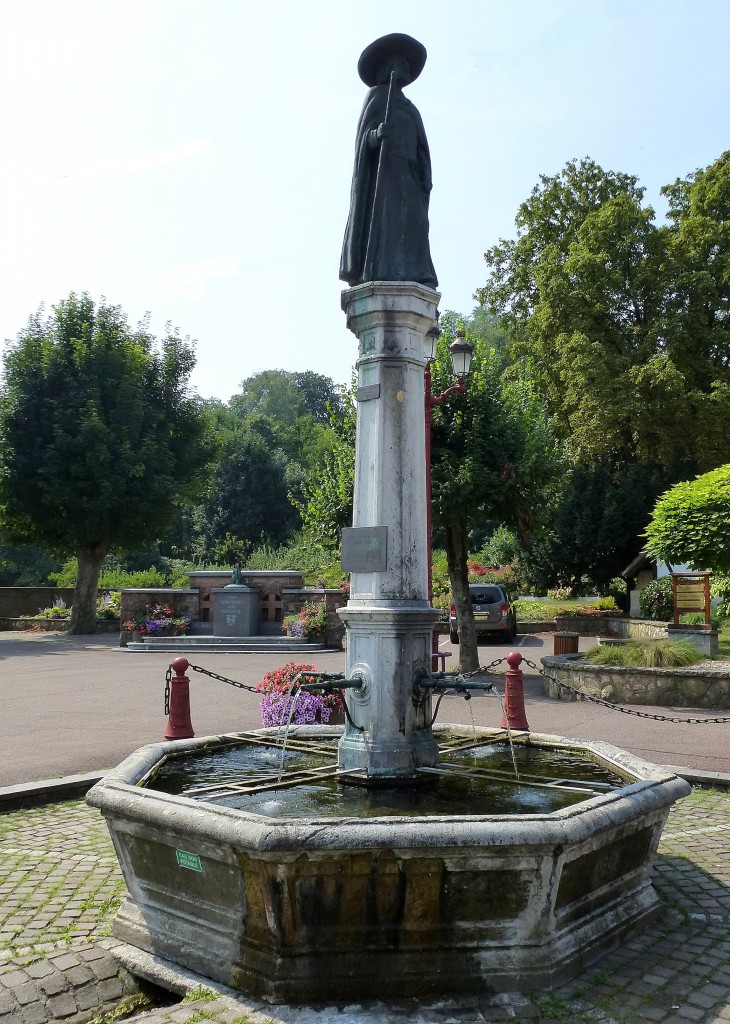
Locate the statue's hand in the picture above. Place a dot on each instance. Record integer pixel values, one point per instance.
(378, 136)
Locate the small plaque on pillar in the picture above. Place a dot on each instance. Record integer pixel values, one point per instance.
(368, 392)
(365, 549)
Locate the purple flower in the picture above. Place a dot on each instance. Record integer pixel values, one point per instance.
(302, 709)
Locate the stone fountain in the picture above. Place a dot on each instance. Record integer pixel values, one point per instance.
(368, 900)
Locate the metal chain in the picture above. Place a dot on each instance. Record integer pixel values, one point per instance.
(631, 711)
(481, 668)
(223, 679)
(493, 664)
(468, 675)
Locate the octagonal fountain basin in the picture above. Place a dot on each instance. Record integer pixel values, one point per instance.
(259, 868)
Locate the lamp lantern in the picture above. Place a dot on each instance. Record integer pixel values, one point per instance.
(461, 352)
(432, 338)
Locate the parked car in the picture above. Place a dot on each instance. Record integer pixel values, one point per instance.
(494, 612)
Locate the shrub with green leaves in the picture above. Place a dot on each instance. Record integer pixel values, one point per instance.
(642, 653)
(617, 588)
(440, 581)
(720, 594)
(111, 576)
(698, 619)
(58, 610)
(691, 522)
(317, 563)
(502, 548)
(657, 601)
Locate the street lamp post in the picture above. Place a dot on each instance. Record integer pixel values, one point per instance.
(461, 353)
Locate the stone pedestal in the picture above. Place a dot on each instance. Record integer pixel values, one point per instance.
(388, 617)
(235, 611)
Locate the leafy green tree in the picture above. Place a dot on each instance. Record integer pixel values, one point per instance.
(285, 396)
(697, 327)
(602, 305)
(592, 524)
(691, 522)
(326, 504)
(493, 453)
(100, 441)
(248, 501)
(25, 566)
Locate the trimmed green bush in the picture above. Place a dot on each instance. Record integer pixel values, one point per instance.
(618, 589)
(691, 522)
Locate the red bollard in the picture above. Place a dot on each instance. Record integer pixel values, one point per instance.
(514, 694)
(179, 726)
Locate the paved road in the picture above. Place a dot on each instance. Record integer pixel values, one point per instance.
(77, 704)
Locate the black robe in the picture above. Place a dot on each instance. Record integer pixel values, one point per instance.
(389, 242)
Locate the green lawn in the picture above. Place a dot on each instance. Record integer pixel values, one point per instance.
(544, 608)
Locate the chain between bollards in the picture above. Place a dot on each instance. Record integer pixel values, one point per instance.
(329, 681)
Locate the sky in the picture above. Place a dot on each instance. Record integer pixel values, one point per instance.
(192, 159)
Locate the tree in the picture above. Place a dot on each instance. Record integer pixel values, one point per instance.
(248, 499)
(697, 325)
(99, 439)
(493, 453)
(602, 304)
(691, 522)
(25, 566)
(286, 396)
(326, 503)
(592, 524)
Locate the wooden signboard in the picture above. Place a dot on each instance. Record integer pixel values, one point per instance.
(691, 591)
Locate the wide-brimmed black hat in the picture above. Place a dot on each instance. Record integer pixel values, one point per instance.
(397, 44)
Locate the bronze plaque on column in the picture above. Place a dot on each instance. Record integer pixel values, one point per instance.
(365, 549)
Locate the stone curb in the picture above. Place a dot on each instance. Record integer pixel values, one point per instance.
(698, 777)
(48, 791)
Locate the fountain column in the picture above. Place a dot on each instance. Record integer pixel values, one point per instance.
(388, 618)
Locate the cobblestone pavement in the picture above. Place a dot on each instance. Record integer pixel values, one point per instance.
(60, 886)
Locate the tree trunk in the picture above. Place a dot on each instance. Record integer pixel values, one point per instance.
(83, 613)
(456, 558)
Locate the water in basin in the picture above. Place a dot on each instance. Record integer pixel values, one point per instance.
(478, 780)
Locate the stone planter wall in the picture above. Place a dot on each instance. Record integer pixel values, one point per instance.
(293, 598)
(16, 602)
(613, 625)
(546, 626)
(692, 686)
(183, 602)
(706, 641)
